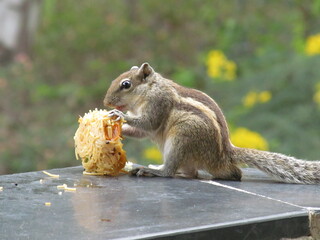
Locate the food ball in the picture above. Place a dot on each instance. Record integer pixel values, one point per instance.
(98, 143)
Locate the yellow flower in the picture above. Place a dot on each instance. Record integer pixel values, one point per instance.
(220, 67)
(250, 99)
(214, 72)
(216, 55)
(265, 96)
(245, 138)
(153, 154)
(230, 70)
(313, 45)
(253, 98)
(316, 96)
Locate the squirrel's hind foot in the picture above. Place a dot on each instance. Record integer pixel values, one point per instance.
(142, 172)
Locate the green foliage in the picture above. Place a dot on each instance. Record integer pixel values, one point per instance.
(185, 77)
(292, 118)
(81, 46)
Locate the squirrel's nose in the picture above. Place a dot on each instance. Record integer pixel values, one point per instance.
(106, 101)
(110, 101)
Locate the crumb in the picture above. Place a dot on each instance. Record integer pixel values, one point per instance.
(105, 220)
(51, 175)
(66, 188)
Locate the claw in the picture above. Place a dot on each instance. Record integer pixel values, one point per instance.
(116, 113)
(134, 171)
(142, 172)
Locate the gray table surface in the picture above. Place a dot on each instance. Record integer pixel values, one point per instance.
(128, 207)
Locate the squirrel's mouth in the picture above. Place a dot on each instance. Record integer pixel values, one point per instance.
(120, 108)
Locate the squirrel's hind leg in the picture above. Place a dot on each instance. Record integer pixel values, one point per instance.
(166, 171)
(173, 158)
(187, 171)
(231, 172)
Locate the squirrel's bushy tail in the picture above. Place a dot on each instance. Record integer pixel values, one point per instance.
(281, 167)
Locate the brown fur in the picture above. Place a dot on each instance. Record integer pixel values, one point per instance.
(191, 131)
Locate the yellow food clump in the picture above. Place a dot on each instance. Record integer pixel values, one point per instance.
(98, 144)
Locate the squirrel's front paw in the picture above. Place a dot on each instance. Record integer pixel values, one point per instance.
(142, 172)
(116, 114)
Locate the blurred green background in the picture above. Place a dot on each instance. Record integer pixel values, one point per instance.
(259, 59)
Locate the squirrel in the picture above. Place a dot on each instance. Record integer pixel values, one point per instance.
(191, 131)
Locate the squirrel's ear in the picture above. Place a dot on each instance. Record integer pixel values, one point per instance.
(134, 67)
(145, 70)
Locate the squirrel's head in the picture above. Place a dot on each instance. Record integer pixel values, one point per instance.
(126, 90)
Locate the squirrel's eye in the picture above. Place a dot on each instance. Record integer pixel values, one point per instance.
(125, 84)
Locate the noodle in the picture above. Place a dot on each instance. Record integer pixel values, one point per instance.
(98, 144)
(51, 175)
